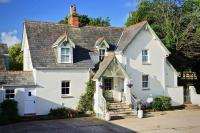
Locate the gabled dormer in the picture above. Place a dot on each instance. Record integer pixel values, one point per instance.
(64, 47)
(102, 47)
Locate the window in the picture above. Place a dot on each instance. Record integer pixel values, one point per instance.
(145, 56)
(65, 87)
(65, 55)
(10, 94)
(108, 83)
(101, 53)
(145, 81)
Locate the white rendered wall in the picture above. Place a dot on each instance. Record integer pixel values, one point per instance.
(27, 63)
(176, 94)
(194, 97)
(171, 75)
(155, 69)
(49, 88)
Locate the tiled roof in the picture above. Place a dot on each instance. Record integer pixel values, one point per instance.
(16, 78)
(42, 35)
(104, 65)
(129, 34)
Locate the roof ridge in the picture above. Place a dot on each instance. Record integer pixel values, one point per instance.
(135, 25)
(54, 23)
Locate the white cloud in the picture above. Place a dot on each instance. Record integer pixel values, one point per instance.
(9, 38)
(4, 1)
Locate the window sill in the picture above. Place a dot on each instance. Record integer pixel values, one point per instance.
(66, 96)
(146, 89)
(146, 64)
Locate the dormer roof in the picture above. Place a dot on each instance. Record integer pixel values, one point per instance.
(101, 42)
(63, 38)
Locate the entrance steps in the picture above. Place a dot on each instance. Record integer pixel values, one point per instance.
(118, 110)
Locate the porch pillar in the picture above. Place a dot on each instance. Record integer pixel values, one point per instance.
(97, 95)
(127, 91)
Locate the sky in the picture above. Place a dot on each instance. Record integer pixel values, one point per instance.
(14, 12)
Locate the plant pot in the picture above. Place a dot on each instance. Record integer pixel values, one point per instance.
(107, 117)
(140, 114)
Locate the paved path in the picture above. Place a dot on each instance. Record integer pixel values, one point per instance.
(181, 121)
(78, 125)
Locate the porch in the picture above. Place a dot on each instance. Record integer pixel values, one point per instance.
(113, 87)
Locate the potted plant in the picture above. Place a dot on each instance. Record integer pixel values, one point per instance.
(130, 85)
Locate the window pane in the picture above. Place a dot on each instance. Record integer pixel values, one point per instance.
(145, 84)
(64, 58)
(145, 78)
(67, 90)
(63, 84)
(67, 84)
(63, 90)
(64, 51)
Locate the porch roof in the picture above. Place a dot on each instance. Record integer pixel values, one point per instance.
(106, 63)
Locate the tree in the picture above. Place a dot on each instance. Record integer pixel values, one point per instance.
(15, 57)
(85, 20)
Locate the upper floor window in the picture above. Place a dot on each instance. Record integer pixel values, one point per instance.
(145, 56)
(65, 55)
(102, 52)
(10, 94)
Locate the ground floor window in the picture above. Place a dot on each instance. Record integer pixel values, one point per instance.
(65, 86)
(145, 81)
(108, 82)
(10, 94)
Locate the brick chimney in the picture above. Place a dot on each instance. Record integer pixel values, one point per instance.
(73, 17)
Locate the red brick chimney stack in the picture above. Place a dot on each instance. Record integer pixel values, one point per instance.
(73, 17)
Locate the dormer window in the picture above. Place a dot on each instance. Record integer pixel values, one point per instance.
(102, 52)
(65, 55)
(64, 47)
(102, 47)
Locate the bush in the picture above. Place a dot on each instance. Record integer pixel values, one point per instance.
(63, 113)
(161, 103)
(86, 101)
(9, 112)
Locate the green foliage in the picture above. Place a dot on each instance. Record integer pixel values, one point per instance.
(15, 57)
(9, 112)
(63, 113)
(161, 103)
(86, 101)
(85, 20)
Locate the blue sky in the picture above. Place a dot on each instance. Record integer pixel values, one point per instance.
(14, 12)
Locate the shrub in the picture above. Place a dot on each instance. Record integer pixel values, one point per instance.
(161, 103)
(9, 112)
(86, 101)
(63, 113)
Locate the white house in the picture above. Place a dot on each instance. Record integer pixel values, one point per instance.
(125, 62)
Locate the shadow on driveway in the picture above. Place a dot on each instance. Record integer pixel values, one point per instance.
(77, 125)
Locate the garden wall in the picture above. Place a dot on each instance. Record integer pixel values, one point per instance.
(194, 97)
(176, 94)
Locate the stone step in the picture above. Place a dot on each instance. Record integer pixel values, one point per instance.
(192, 106)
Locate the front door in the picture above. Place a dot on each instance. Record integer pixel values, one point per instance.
(108, 87)
(29, 103)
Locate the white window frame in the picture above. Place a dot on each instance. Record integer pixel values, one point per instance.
(145, 87)
(145, 56)
(70, 54)
(69, 94)
(101, 57)
(10, 94)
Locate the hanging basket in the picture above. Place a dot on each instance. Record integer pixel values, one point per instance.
(130, 85)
